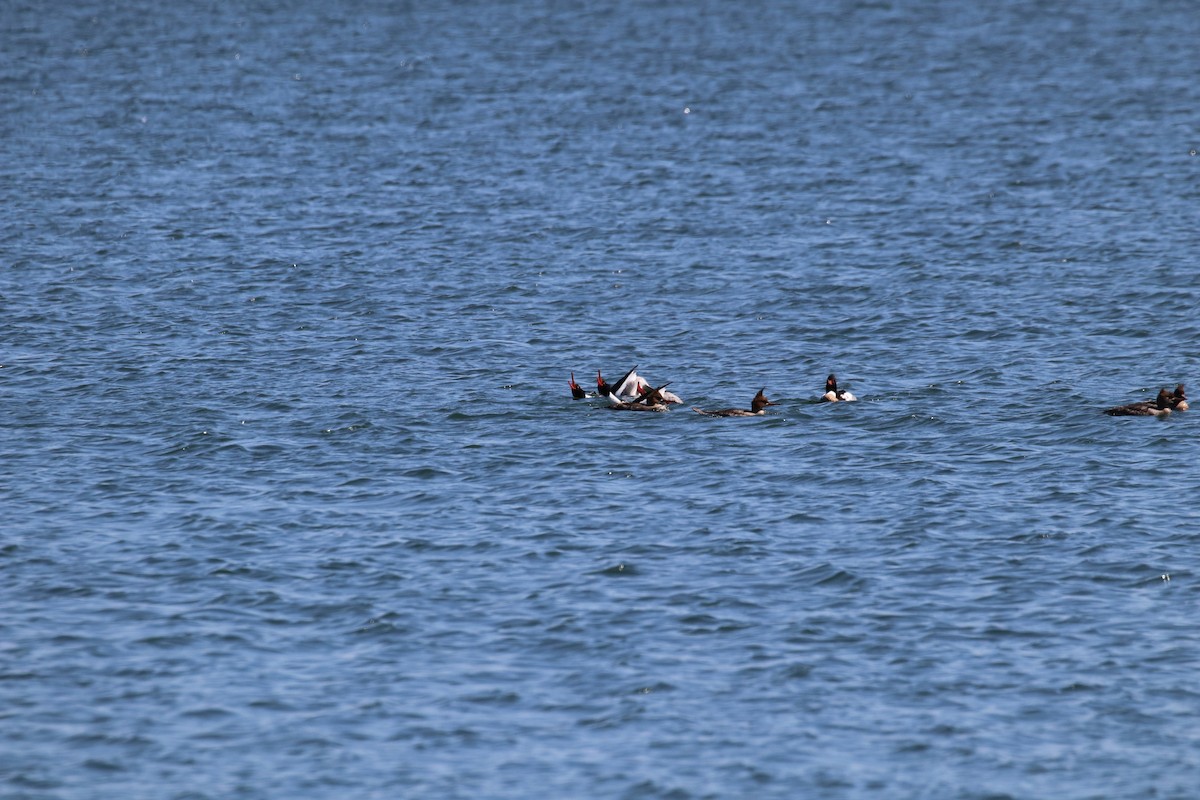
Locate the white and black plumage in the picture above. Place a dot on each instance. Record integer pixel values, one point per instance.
(835, 395)
(648, 400)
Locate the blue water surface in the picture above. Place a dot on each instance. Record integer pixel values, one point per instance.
(296, 501)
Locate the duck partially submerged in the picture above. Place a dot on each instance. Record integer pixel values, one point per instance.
(835, 395)
(629, 387)
(623, 389)
(651, 399)
(757, 407)
(577, 391)
(666, 397)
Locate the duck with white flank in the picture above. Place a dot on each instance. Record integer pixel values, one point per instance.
(628, 388)
(835, 395)
(625, 388)
(757, 407)
(633, 385)
(648, 400)
(666, 397)
(1161, 407)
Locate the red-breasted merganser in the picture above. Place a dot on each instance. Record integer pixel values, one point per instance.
(835, 395)
(1161, 407)
(1179, 399)
(629, 387)
(622, 389)
(648, 400)
(757, 407)
(667, 397)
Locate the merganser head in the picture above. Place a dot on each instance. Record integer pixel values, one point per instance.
(576, 390)
(1165, 400)
(760, 401)
(831, 383)
(1179, 400)
(601, 386)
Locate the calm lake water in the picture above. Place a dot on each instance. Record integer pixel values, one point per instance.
(297, 504)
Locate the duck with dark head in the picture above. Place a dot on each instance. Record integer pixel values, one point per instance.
(1161, 407)
(835, 395)
(758, 407)
(1179, 399)
(651, 399)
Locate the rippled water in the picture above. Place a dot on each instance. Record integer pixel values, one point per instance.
(296, 501)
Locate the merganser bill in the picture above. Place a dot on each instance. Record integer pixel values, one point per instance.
(757, 407)
(835, 395)
(1161, 407)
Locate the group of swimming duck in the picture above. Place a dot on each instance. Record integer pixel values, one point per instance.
(632, 393)
(1161, 406)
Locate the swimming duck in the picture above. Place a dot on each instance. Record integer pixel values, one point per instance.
(666, 397)
(1179, 399)
(835, 395)
(757, 407)
(1161, 407)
